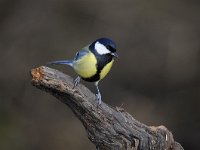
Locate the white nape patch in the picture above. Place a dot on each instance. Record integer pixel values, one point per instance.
(101, 49)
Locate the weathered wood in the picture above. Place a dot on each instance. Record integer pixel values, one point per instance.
(108, 128)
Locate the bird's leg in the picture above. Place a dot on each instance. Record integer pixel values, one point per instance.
(76, 81)
(98, 95)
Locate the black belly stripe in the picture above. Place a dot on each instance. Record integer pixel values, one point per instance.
(102, 60)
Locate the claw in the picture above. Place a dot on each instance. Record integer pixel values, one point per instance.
(98, 95)
(76, 81)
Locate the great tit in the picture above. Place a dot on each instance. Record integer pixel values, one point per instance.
(93, 62)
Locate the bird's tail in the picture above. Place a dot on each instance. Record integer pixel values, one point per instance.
(62, 62)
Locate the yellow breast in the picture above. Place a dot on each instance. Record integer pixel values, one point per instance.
(106, 69)
(86, 66)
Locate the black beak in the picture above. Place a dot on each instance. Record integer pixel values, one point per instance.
(114, 54)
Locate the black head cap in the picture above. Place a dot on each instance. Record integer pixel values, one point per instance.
(108, 43)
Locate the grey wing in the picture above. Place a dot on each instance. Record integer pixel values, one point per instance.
(80, 54)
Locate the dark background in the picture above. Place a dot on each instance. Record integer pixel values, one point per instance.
(156, 78)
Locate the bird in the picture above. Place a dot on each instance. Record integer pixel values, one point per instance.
(93, 62)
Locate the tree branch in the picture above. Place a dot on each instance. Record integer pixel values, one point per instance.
(108, 128)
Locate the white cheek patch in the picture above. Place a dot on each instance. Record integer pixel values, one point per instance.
(101, 49)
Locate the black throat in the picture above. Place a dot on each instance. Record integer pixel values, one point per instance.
(102, 61)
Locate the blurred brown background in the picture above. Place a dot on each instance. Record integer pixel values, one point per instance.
(156, 78)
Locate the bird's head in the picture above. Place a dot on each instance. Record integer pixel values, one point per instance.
(104, 46)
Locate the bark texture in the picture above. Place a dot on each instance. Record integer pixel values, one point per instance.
(107, 127)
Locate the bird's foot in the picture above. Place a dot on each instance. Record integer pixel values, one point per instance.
(76, 81)
(98, 98)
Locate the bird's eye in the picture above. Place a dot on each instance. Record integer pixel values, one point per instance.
(110, 48)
